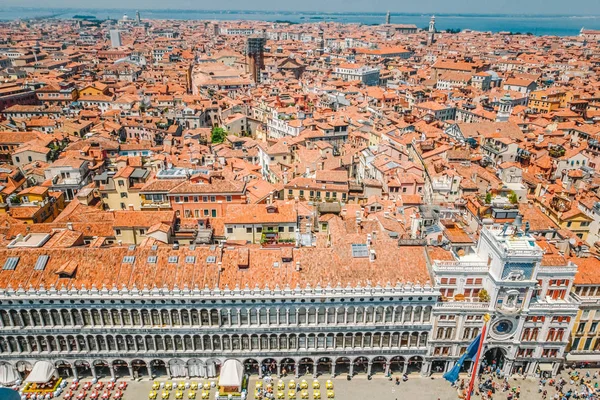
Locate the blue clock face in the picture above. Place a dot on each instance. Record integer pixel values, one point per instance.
(503, 327)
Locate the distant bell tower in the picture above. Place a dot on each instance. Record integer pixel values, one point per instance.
(431, 38)
(138, 19)
(505, 108)
(387, 18)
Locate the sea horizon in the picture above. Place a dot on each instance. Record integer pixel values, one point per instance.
(536, 24)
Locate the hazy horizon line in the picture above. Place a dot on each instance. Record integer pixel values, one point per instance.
(271, 11)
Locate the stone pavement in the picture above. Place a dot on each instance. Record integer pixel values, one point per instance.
(359, 388)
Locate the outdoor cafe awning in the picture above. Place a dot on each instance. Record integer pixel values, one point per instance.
(545, 367)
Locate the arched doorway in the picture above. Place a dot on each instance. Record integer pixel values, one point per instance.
(342, 366)
(251, 366)
(159, 368)
(324, 366)
(397, 365)
(361, 364)
(139, 368)
(102, 368)
(196, 368)
(269, 366)
(121, 368)
(305, 366)
(288, 366)
(213, 367)
(414, 364)
(438, 366)
(178, 368)
(24, 368)
(494, 357)
(83, 369)
(63, 368)
(378, 365)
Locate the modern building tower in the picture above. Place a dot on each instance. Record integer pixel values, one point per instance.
(255, 47)
(115, 38)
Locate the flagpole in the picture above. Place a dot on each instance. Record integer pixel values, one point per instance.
(486, 319)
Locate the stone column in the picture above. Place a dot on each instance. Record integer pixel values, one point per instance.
(74, 369)
(297, 370)
(333, 369)
(38, 344)
(149, 366)
(94, 373)
(369, 365)
(130, 367)
(315, 365)
(387, 368)
(112, 372)
(279, 369)
(351, 372)
(168, 369)
(405, 367)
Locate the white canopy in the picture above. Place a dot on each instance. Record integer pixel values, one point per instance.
(42, 372)
(232, 374)
(8, 375)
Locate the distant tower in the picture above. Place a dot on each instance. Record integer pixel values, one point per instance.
(216, 30)
(431, 38)
(321, 43)
(138, 19)
(505, 108)
(255, 48)
(115, 38)
(387, 18)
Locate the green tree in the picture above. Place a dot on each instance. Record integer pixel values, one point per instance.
(217, 135)
(512, 197)
(488, 198)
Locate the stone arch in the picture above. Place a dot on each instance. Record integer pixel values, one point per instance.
(288, 366)
(102, 368)
(139, 368)
(324, 365)
(397, 364)
(64, 368)
(121, 368)
(83, 369)
(378, 365)
(415, 363)
(196, 368)
(361, 365)
(23, 368)
(305, 365)
(342, 365)
(268, 366)
(159, 367)
(178, 368)
(213, 367)
(251, 366)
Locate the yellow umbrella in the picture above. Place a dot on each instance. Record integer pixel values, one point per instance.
(280, 385)
(191, 394)
(316, 384)
(205, 394)
(206, 386)
(179, 394)
(168, 386)
(292, 384)
(303, 384)
(292, 394)
(165, 394)
(329, 385)
(304, 394)
(181, 385)
(155, 386)
(280, 394)
(194, 386)
(152, 395)
(330, 394)
(258, 384)
(317, 394)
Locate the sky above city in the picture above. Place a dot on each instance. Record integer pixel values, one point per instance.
(570, 7)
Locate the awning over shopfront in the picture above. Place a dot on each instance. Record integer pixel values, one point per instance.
(592, 357)
(545, 367)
